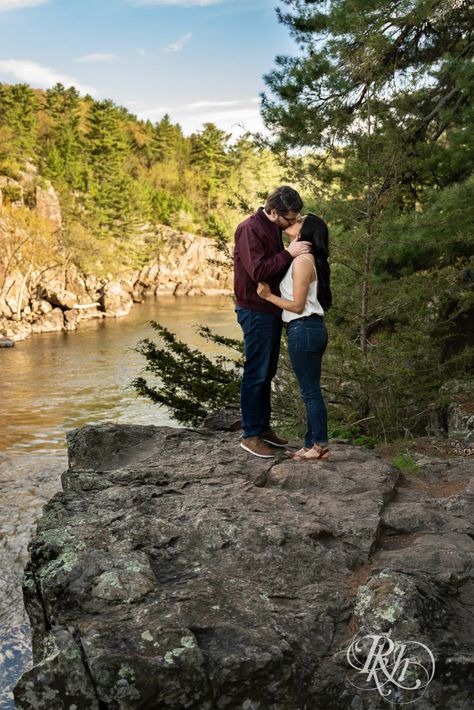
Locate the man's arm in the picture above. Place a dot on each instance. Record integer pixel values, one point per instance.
(253, 257)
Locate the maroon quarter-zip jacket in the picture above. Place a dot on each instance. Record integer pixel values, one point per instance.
(259, 255)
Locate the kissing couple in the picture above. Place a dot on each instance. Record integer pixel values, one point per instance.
(278, 287)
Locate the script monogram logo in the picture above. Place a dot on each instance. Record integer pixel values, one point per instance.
(399, 671)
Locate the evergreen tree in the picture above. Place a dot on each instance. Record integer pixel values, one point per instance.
(63, 149)
(18, 116)
(192, 385)
(166, 139)
(210, 157)
(109, 182)
(380, 104)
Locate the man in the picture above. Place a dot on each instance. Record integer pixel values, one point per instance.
(259, 256)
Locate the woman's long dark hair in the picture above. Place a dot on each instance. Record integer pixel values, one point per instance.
(315, 230)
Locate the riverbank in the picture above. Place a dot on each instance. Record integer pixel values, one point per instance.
(43, 290)
(63, 298)
(51, 383)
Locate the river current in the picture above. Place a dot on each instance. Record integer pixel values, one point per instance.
(54, 382)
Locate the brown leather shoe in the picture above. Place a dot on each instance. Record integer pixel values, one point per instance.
(254, 445)
(271, 438)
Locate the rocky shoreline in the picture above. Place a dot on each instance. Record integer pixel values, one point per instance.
(59, 298)
(63, 303)
(175, 571)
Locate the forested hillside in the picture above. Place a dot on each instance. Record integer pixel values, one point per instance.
(116, 175)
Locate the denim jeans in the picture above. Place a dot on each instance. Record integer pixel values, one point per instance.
(262, 333)
(307, 341)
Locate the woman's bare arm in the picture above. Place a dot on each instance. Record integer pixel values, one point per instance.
(303, 272)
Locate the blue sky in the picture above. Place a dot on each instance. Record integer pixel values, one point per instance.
(198, 60)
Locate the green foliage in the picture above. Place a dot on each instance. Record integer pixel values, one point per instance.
(190, 384)
(11, 193)
(18, 122)
(404, 461)
(10, 169)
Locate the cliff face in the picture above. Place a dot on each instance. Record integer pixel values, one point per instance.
(176, 571)
(59, 297)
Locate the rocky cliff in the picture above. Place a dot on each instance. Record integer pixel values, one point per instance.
(59, 297)
(176, 571)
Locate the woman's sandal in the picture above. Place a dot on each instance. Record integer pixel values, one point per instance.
(299, 455)
(316, 453)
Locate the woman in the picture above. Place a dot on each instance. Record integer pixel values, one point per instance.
(305, 295)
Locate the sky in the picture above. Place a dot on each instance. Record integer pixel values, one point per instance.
(198, 60)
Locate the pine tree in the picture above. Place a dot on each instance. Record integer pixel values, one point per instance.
(166, 139)
(209, 155)
(63, 150)
(375, 116)
(18, 108)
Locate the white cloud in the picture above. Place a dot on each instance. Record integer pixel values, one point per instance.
(16, 4)
(179, 44)
(97, 57)
(235, 117)
(236, 122)
(42, 77)
(182, 3)
(219, 104)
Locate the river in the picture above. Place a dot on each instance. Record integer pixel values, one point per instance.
(54, 382)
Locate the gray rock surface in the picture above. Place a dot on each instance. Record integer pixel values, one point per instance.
(47, 204)
(115, 300)
(188, 265)
(227, 419)
(49, 323)
(176, 571)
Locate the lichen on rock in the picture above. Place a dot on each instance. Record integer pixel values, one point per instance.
(167, 574)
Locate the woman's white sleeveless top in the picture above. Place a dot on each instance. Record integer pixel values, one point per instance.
(312, 304)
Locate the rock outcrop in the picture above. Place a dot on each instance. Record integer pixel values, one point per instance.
(176, 571)
(183, 264)
(47, 204)
(183, 268)
(115, 300)
(26, 304)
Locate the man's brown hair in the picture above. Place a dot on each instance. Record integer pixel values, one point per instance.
(284, 199)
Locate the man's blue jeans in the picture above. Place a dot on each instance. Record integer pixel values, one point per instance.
(262, 333)
(307, 341)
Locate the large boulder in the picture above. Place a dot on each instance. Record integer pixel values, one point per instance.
(56, 294)
(14, 295)
(175, 571)
(15, 330)
(189, 265)
(115, 299)
(49, 323)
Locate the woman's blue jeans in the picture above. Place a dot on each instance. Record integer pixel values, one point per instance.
(307, 341)
(262, 333)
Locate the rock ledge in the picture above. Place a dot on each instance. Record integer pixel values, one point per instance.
(176, 571)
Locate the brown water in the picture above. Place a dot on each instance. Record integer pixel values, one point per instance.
(54, 382)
